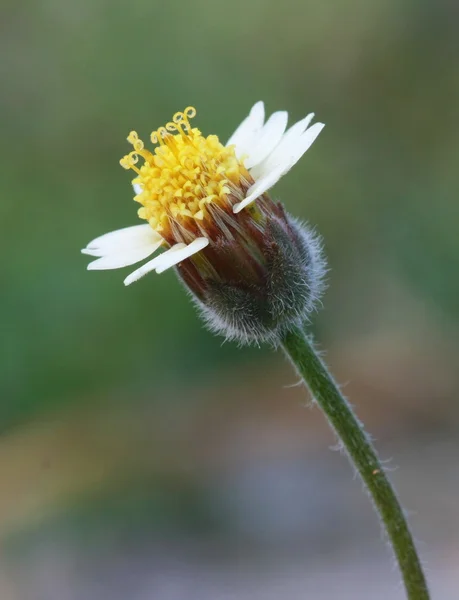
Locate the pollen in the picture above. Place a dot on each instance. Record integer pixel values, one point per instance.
(187, 177)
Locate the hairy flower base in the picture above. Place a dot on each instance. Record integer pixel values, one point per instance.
(258, 279)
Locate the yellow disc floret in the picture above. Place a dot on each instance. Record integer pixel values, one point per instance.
(184, 176)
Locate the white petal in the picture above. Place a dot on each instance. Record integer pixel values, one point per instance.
(173, 258)
(290, 157)
(123, 258)
(138, 189)
(90, 252)
(270, 177)
(127, 237)
(258, 188)
(167, 259)
(289, 140)
(267, 139)
(150, 265)
(249, 127)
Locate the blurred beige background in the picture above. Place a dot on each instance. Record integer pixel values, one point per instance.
(140, 457)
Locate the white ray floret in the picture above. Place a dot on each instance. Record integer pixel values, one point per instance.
(122, 258)
(289, 139)
(151, 265)
(123, 247)
(267, 139)
(270, 153)
(168, 259)
(248, 130)
(128, 237)
(259, 188)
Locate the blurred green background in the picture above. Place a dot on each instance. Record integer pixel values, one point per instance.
(139, 456)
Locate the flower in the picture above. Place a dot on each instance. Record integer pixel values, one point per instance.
(252, 269)
(203, 200)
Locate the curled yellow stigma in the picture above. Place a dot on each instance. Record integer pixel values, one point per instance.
(184, 176)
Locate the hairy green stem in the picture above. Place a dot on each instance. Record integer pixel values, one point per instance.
(362, 455)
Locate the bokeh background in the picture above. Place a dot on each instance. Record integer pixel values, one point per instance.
(140, 457)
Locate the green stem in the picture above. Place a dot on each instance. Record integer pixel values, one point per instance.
(362, 455)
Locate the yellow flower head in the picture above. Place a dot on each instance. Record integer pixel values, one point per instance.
(186, 180)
